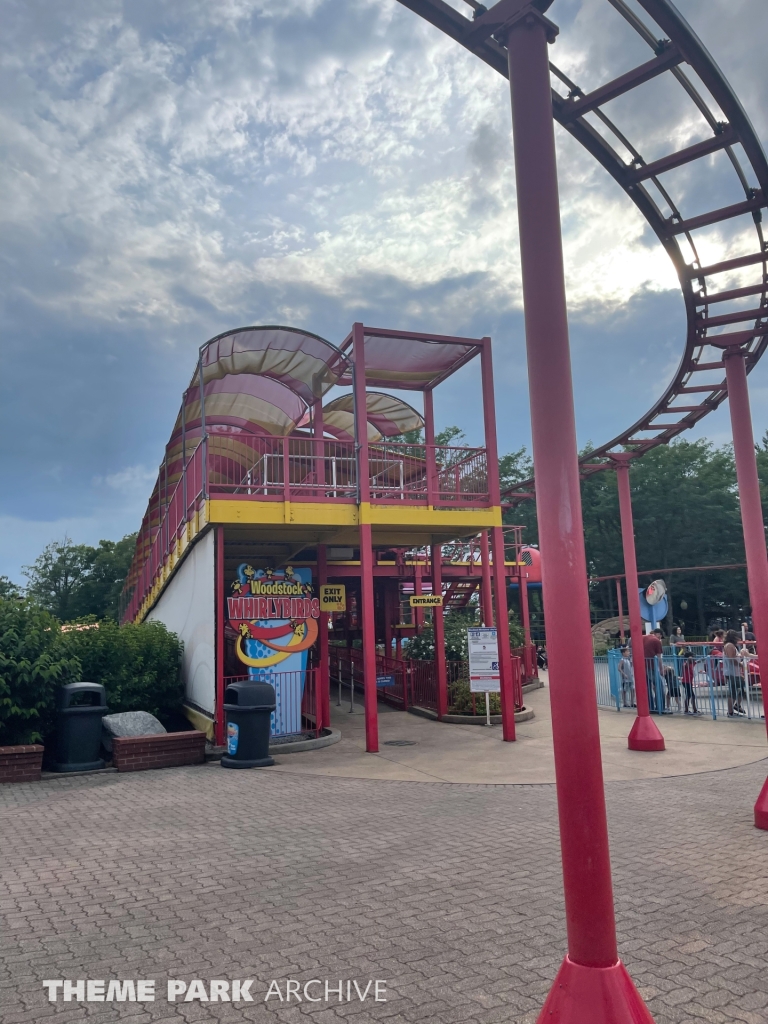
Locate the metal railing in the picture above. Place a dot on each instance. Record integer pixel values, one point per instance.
(414, 682)
(295, 698)
(704, 684)
(294, 469)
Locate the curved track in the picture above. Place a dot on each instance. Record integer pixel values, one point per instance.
(717, 317)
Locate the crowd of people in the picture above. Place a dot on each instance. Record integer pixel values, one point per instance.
(731, 657)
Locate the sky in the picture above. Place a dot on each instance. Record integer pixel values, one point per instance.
(171, 170)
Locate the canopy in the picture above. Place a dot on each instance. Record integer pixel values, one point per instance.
(410, 362)
(387, 416)
(260, 405)
(306, 363)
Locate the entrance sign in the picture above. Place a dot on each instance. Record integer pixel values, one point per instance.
(426, 600)
(274, 613)
(483, 650)
(333, 597)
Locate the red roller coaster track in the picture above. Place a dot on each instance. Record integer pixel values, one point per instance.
(699, 384)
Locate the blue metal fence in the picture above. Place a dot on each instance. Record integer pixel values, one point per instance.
(695, 686)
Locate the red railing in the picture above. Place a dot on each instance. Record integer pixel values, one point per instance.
(252, 467)
(428, 474)
(415, 682)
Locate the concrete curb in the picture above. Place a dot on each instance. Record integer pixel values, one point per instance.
(329, 737)
(520, 716)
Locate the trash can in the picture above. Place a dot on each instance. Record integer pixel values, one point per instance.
(80, 708)
(248, 708)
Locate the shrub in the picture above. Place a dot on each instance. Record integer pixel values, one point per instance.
(461, 700)
(138, 665)
(33, 663)
(422, 646)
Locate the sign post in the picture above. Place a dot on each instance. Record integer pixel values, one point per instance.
(484, 675)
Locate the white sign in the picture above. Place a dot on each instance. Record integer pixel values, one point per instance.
(483, 648)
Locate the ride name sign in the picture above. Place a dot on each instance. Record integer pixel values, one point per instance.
(483, 651)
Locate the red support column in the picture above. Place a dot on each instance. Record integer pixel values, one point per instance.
(502, 636)
(644, 734)
(497, 541)
(429, 438)
(324, 674)
(366, 543)
(486, 594)
(439, 632)
(418, 613)
(218, 726)
(592, 984)
(751, 518)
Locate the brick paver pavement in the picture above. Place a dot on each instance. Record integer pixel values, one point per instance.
(452, 893)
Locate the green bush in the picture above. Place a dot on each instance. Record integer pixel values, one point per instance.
(461, 698)
(138, 665)
(422, 647)
(33, 662)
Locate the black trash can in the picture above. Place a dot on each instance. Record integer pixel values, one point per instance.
(80, 708)
(248, 707)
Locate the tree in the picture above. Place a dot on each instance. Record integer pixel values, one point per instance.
(76, 580)
(33, 663)
(56, 575)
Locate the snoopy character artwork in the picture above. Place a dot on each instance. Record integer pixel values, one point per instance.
(275, 616)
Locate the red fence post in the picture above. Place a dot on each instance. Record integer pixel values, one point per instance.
(431, 453)
(644, 734)
(751, 518)
(592, 984)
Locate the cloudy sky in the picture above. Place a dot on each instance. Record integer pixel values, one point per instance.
(174, 169)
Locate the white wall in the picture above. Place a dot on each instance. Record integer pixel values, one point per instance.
(188, 607)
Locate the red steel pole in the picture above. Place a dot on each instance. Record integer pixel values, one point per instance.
(324, 675)
(507, 685)
(592, 984)
(644, 734)
(486, 594)
(438, 628)
(751, 517)
(366, 543)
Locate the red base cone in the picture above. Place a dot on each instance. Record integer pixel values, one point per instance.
(594, 995)
(645, 735)
(761, 808)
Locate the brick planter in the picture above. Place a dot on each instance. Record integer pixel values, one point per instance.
(169, 750)
(21, 764)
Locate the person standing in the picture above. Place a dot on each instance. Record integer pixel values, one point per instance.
(654, 669)
(677, 638)
(627, 676)
(689, 671)
(734, 680)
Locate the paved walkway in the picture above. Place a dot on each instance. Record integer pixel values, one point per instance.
(449, 892)
(476, 754)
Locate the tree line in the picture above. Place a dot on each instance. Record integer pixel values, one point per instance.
(685, 504)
